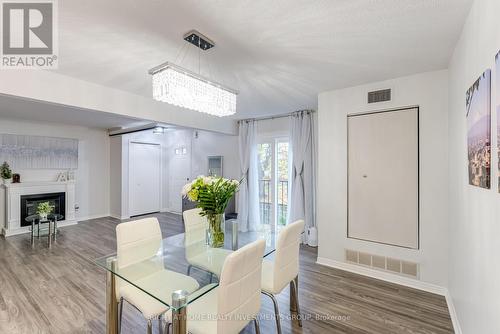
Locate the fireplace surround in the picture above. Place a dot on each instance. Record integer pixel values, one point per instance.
(11, 213)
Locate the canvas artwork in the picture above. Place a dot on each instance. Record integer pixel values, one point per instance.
(478, 103)
(497, 71)
(36, 152)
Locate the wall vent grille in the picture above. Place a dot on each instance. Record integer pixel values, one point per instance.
(378, 262)
(379, 96)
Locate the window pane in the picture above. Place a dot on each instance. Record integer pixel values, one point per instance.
(265, 173)
(282, 186)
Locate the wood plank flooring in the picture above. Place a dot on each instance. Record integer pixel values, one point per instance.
(60, 290)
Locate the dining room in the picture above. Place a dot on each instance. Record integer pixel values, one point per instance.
(230, 167)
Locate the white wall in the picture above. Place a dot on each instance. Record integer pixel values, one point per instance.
(430, 92)
(277, 127)
(92, 184)
(211, 143)
(198, 149)
(474, 212)
(115, 176)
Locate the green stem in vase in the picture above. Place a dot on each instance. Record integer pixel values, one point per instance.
(216, 230)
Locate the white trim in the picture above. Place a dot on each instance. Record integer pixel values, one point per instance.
(84, 218)
(453, 313)
(397, 279)
(36, 184)
(118, 217)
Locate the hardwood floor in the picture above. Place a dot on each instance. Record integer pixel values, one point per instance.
(60, 290)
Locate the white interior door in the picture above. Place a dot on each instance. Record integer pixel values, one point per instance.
(383, 177)
(144, 178)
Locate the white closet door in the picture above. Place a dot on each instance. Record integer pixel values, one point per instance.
(383, 177)
(144, 178)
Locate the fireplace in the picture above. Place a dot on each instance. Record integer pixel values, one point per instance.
(29, 204)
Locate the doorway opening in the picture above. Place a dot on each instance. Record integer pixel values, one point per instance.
(274, 157)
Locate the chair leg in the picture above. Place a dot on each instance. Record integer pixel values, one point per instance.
(211, 277)
(277, 314)
(167, 327)
(257, 325)
(120, 312)
(296, 292)
(150, 327)
(160, 327)
(189, 270)
(293, 304)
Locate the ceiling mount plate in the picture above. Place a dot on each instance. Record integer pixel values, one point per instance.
(199, 40)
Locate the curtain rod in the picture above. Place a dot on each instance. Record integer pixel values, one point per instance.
(265, 118)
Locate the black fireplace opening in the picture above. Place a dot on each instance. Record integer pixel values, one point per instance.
(29, 204)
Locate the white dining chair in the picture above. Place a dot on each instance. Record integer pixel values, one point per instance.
(284, 270)
(197, 254)
(138, 243)
(232, 305)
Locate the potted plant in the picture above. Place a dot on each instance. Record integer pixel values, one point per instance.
(212, 195)
(5, 172)
(43, 210)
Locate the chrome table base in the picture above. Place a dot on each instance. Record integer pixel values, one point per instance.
(52, 232)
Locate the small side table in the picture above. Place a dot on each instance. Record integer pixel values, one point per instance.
(38, 229)
(55, 217)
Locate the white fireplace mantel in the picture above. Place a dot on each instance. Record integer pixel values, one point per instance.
(10, 203)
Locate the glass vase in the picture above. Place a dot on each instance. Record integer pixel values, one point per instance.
(215, 232)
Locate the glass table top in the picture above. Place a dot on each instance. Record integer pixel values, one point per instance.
(50, 216)
(181, 262)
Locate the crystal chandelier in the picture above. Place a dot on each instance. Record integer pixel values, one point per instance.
(178, 86)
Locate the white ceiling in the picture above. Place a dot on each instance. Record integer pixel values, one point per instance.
(279, 54)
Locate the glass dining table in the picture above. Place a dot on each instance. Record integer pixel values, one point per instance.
(186, 253)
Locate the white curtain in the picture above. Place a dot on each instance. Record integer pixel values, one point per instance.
(248, 197)
(302, 204)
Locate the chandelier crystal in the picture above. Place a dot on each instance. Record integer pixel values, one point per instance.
(178, 86)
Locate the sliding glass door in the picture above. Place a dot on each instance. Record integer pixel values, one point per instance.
(274, 160)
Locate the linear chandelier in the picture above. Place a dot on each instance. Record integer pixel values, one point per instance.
(178, 86)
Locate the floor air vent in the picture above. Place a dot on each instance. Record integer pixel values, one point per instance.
(388, 264)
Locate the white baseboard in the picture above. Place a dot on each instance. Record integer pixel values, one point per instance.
(173, 212)
(397, 279)
(453, 313)
(80, 219)
(118, 217)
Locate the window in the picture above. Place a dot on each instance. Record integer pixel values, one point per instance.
(282, 172)
(274, 170)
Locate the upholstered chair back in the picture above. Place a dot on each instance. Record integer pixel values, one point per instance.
(195, 227)
(138, 241)
(193, 220)
(239, 290)
(286, 261)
